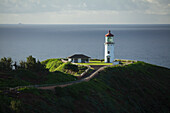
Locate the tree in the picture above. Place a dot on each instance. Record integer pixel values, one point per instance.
(6, 64)
(31, 60)
(22, 64)
(1, 66)
(39, 66)
(31, 63)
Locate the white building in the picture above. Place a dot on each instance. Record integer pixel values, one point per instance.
(109, 48)
(78, 58)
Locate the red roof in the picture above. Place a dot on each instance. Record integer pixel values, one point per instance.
(109, 34)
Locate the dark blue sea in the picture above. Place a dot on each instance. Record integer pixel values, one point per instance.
(149, 43)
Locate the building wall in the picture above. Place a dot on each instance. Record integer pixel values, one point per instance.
(69, 59)
(109, 47)
(79, 60)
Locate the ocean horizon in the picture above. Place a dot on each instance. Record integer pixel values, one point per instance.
(144, 42)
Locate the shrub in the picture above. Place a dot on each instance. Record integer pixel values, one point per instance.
(6, 64)
(52, 64)
(22, 64)
(32, 65)
(15, 105)
(71, 67)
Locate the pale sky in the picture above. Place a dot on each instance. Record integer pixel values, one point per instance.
(85, 11)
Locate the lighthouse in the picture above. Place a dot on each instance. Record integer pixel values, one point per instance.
(109, 48)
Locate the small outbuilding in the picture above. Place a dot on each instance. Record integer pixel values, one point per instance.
(78, 58)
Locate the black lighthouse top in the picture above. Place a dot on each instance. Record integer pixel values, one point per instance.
(109, 34)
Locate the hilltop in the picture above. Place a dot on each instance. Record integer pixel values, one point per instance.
(137, 88)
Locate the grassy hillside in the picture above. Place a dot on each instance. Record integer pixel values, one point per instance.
(57, 65)
(52, 64)
(25, 77)
(135, 88)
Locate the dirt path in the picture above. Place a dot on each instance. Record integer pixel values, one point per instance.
(75, 82)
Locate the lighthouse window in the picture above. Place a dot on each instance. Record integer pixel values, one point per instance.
(108, 52)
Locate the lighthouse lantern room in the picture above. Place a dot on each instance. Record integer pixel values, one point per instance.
(109, 47)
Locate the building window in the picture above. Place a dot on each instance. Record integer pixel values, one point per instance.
(108, 52)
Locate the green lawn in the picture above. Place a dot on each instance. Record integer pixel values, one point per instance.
(95, 63)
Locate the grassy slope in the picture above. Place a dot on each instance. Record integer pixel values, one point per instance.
(136, 88)
(57, 65)
(25, 77)
(52, 64)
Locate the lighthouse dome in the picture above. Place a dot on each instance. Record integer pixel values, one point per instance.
(109, 34)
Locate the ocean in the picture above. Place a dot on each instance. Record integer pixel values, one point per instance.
(148, 43)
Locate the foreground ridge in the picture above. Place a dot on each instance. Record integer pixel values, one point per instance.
(52, 86)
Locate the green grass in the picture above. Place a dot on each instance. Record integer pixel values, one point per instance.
(57, 65)
(58, 77)
(95, 63)
(134, 88)
(25, 77)
(52, 64)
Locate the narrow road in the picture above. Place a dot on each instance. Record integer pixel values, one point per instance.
(86, 78)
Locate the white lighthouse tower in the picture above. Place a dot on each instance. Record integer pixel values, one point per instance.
(109, 48)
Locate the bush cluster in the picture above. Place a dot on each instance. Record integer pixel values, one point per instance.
(70, 67)
(6, 64)
(31, 64)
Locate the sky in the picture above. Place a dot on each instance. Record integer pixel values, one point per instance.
(85, 11)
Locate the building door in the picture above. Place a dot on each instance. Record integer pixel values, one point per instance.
(83, 60)
(108, 59)
(75, 60)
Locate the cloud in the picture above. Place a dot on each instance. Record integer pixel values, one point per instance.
(36, 6)
(83, 17)
(84, 11)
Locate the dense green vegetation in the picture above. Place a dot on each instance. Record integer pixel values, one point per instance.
(71, 68)
(5, 64)
(52, 64)
(31, 72)
(134, 88)
(57, 65)
(26, 77)
(31, 64)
